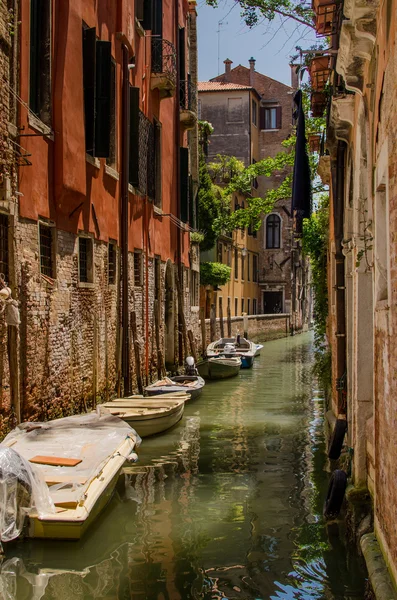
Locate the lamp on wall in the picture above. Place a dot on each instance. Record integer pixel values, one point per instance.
(244, 251)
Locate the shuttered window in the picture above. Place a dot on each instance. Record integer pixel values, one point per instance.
(144, 13)
(184, 184)
(40, 59)
(270, 117)
(273, 226)
(4, 246)
(134, 137)
(46, 253)
(97, 81)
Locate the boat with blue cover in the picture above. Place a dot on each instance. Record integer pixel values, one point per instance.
(238, 346)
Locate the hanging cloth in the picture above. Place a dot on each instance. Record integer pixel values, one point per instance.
(301, 186)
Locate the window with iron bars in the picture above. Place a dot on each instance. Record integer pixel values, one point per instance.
(4, 246)
(137, 269)
(147, 162)
(112, 254)
(85, 260)
(46, 250)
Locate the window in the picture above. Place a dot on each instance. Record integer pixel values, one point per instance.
(254, 306)
(157, 278)
(4, 245)
(184, 183)
(234, 110)
(242, 266)
(255, 183)
(254, 109)
(46, 250)
(199, 109)
(242, 305)
(86, 271)
(270, 117)
(235, 263)
(248, 306)
(220, 306)
(157, 163)
(273, 223)
(97, 83)
(194, 288)
(138, 269)
(220, 252)
(111, 160)
(229, 256)
(112, 265)
(248, 268)
(255, 268)
(143, 13)
(235, 307)
(40, 59)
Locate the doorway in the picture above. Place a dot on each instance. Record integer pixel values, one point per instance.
(272, 302)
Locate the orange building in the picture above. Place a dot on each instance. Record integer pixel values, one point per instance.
(107, 147)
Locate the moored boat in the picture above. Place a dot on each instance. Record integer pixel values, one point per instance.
(191, 384)
(60, 474)
(147, 416)
(219, 367)
(258, 349)
(237, 346)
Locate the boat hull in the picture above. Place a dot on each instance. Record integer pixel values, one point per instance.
(218, 369)
(195, 392)
(247, 360)
(258, 349)
(154, 425)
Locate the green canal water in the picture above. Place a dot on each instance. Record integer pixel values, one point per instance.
(226, 505)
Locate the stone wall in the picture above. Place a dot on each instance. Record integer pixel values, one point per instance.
(261, 328)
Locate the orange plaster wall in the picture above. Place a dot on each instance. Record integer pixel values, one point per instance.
(60, 180)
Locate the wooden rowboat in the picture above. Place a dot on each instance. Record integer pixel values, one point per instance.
(67, 470)
(219, 367)
(190, 384)
(238, 346)
(146, 416)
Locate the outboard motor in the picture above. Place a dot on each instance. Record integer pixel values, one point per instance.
(190, 367)
(16, 479)
(229, 348)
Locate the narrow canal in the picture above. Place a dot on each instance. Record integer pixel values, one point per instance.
(226, 505)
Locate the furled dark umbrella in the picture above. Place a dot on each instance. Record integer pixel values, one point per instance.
(301, 185)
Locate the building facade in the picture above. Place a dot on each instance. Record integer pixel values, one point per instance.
(361, 169)
(107, 183)
(252, 115)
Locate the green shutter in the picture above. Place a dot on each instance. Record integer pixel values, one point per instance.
(103, 92)
(184, 184)
(134, 137)
(89, 61)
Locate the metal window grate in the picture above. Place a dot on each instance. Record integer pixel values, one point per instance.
(137, 269)
(45, 250)
(83, 259)
(111, 264)
(4, 246)
(147, 171)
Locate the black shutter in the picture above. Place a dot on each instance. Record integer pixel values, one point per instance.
(278, 117)
(34, 56)
(89, 61)
(184, 184)
(134, 137)
(147, 22)
(157, 26)
(103, 90)
(191, 202)
(262, 117)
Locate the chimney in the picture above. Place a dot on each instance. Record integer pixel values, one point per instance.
(294, 77)
(252, 62)
(228, 63)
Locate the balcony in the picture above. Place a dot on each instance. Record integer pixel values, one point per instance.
(163, 67)
(326, 16)
(188, 104)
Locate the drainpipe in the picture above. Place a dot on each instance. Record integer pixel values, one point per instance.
(178, 171)
(125, 152)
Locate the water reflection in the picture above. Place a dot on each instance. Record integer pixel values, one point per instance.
(226, 505)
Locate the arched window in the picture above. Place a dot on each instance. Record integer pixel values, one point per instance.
(273, 226)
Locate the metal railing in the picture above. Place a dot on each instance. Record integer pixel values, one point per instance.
(164, 58)
(187, 95)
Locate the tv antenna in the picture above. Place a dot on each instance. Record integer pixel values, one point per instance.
(220, 24)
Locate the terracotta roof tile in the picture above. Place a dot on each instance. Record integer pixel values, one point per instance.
(220, 86)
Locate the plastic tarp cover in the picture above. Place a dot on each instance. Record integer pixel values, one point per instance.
(27, 487)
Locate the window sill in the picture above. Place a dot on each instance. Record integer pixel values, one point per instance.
(112, 172)
(269, 130)
(194, 309)
(112, 286)
(38, 125)
(95, 162)
(139, 28)
(49, 281)
(382, 305)
(88, 285)
(158, 211)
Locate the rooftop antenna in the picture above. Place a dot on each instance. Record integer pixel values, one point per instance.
(220, 24)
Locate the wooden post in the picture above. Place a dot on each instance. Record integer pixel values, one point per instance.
(181, 314)
(203, 331)
(106, 357)
(192, 345)
(119, 351)
(136, 352)
(245, 325)
(221, 326)
(160, 361)
(212, 323)
(13, 340)
(229, 321)
(95, 361)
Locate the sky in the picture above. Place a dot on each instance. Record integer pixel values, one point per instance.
(271, 44)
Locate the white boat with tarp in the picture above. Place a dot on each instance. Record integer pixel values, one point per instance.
(57, 476)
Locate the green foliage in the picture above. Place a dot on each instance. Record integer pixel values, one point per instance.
(196, 237)
(315, 245)
(212, 207)
(214, 273)
(252, 11)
